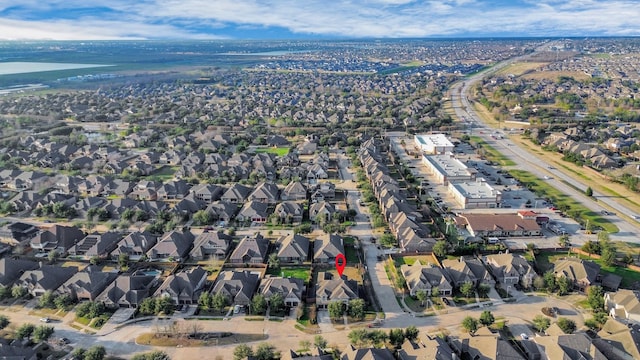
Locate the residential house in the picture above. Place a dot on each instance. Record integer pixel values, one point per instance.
(172, 190)
(425, 277)
(236, 194)
(326, 248)
(619, 341)
(321, 211)
(265, 192)
(135, 245)
(294, 191)
(11, 269)
(211, 243)
(463, 270)
(46, 278)
(624, 304)
(254, 212)
(509, 269)
(250, 250)
(484, 345)
(291, 289)
(184, 287)
(312, 354)
(426, 349)
(95, 245)
(352, 353)
(87, 284)
(330, 288)
(58, 237)
(581, 273)
(173, 246)
(207, 192)
(289, 212)
(223, 211)
(293, 249)
(16, 232)
(127, 290)
(237, 286)
(569, 346)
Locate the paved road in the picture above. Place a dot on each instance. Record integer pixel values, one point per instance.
(628, 231)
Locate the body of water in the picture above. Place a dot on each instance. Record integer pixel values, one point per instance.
(18, 67)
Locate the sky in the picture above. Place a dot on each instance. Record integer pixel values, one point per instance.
(313, 19)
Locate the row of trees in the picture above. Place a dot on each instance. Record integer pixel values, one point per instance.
(366, 338)
(264, 351)
(156, 305)
(36, 333)
(471, 324)
(355, 309)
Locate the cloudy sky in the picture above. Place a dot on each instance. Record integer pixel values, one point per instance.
(296, 19)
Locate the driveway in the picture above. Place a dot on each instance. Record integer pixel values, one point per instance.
(324, 321)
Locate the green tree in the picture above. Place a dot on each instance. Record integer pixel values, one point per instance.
(356, 309)
(564, 285)
(242, 351)
(203, 217)
(396, 337)
(470, 324)
(52, 256)
(305, 345)
(96, 352)
(219, 301)
(589, 191)
(358, 337)
(388, 240)
(147, 306)
(422, 296)
(568, 326)
(336, 309)
(123, 260)
(46, 300)
(483, 290)
(18, 291)
(154, 355)
(276, 302)
(376, 337)
(595, 297)
(4, 321)
(608, 255)
(411, 333)
(164, 305)
(258, 304)
(541, 323)
(487, 318)
(265, 351)
(564, 241)
(78, 353)
(5, 292)
(441, 248)
(591, 247)
(24, 331)
(274, 261)
(320, 342)
(467, 289)
(204, 301)
(550, 281)
(42, 333)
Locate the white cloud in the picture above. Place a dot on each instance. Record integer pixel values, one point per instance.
(348, 18)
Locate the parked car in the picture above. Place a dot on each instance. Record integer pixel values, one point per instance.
(45, 320)
(524, 336)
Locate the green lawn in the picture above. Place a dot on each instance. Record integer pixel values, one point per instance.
(272, 150)
(298, 273)
(560, 199)
(164, 173)
(490, 153)
(410, 260)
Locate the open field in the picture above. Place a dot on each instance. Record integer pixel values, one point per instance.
(554, 75)
(153, 340)
(519, 68)
(280, 151)
(490, 153)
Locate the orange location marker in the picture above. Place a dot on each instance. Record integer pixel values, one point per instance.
(341, 262)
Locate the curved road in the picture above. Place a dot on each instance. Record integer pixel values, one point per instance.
(525, 160)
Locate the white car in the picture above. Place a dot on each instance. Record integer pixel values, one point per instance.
(45, 319)
(524, 336)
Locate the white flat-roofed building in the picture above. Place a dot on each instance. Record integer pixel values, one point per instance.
(433, 143)
(447, 169)
(475, 194)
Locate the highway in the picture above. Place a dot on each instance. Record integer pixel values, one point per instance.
(628, 230)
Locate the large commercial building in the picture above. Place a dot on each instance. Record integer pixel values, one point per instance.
(498, 225)
(446, 168)
(475, 194)
(433, 143)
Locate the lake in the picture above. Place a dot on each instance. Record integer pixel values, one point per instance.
(8, 68)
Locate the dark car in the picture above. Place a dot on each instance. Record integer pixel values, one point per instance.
(446, 301)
